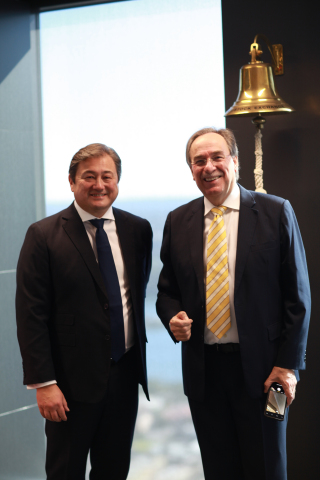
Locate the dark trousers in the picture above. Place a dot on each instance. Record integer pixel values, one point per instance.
(105, 429)
(236, 440)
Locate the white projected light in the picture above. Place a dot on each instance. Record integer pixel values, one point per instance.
(140, 76)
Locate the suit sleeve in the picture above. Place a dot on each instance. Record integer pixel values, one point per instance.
(33, 307)
(296, 293)
(149, 252)
(169, 298)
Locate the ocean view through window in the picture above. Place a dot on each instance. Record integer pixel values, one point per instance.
(140, 76)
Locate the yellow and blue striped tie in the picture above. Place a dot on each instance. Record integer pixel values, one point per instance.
(217, 287)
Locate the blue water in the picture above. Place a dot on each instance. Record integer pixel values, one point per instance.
(163, 357)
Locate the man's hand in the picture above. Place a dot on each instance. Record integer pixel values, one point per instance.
(286, 378)
(180, 326)
(52, 404)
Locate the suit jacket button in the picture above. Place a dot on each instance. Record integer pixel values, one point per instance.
(107, 337)
(105, 306)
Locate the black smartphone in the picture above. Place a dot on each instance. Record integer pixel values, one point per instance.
(276, 402)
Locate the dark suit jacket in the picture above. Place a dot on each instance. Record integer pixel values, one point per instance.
(272, 295)
(61, 303)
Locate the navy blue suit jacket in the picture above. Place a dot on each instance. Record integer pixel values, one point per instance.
(61, 303)
(272, 294)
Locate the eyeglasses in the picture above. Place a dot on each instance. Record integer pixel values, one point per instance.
(202, 162)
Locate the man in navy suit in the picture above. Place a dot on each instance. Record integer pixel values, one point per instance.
(81, 284)
(244, 331)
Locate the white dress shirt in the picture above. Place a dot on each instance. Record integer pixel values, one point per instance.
(231, 221)
(111, 230)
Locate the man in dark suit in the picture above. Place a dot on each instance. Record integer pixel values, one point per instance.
(234, 290)
(81, 284)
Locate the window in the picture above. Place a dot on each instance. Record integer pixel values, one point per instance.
(140, 76)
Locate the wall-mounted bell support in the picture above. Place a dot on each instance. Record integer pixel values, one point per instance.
(258, 95)
(259, 122)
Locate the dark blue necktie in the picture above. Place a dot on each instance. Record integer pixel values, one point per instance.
(111, 281)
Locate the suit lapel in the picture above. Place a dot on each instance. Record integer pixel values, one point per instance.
(195, 225)
(76, 231)
(248, 218)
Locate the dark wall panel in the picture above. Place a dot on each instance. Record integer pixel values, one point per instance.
(12, 48)
(291, 169)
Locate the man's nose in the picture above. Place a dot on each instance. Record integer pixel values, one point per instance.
(98, 183)
(210, 166)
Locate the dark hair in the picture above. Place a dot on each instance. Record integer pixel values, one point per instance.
(91, 151)
(226, 133)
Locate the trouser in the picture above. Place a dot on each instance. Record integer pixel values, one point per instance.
(236, 440)
(105, 429)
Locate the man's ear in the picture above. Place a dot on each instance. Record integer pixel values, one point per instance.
(235, 161)
(71, 183)
(192, 172)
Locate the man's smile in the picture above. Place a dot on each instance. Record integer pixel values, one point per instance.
(211, 179)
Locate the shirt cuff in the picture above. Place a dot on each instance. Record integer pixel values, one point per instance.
(39, 385)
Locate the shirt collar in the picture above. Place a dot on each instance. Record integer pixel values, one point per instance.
(232, 201)
(85, 216)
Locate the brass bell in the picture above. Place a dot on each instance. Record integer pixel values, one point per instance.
(257, 91)
(258, 95)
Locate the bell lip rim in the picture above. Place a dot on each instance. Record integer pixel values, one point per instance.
(254, 114)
